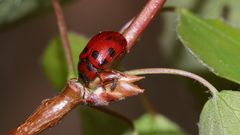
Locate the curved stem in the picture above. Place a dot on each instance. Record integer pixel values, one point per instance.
(141, 21)
(150, 108)
(212, 89)
(64, 36)
(115, 114)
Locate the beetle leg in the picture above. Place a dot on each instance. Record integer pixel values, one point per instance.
(109, 76)
(101, 81)
(114, 84)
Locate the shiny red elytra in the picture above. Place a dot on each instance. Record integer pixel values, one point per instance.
(99, 54)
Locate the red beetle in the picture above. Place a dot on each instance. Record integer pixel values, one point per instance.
(99, 54)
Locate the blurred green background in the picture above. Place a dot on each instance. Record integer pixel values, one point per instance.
(27, 26)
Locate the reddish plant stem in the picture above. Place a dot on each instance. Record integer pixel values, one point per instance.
(135, 27)
(139, 24)
(64, 35)
(51, 111)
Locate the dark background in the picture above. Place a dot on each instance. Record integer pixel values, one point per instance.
(24, 84)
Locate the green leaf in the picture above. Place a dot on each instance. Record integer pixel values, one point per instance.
(221, 114)
(214, 43)
(211, 9)
(15, 10)
(12, 10)
(54, 60)
(156, 125)
(215, 9)
(99, 123)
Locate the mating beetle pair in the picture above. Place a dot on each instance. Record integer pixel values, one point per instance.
(99, 55)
